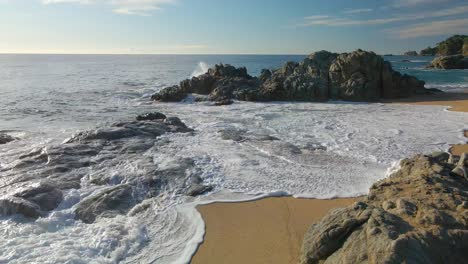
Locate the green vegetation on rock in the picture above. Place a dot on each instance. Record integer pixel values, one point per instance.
(457, 44)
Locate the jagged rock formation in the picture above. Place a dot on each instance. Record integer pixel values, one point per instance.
(450, 62)
(411, 53)
(356, 76)
(34, 184)
(417, 215)
(455, 45)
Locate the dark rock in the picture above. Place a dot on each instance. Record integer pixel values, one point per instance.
(14, 205)
(232, 134)
(33, 184)
(450, 62)
(356, 76)
(4, 138)
(32, 200)
(108, 203)
(223, 102)
(198, 189)
(170, 94)
(411, 53)
(151, 116)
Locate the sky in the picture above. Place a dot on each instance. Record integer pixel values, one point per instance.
(226, 26)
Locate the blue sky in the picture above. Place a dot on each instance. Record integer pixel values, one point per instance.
(226, 26)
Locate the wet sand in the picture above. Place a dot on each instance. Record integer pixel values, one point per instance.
(270, 230)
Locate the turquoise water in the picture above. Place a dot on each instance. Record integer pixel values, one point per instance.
(447, 80)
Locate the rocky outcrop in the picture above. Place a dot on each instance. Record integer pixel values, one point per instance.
(356, 76)
(112, 162)
(32, 200)
(411, 53)
(107, 203)
(417, 215)
(428, 51)
(454, 45)
(465, 48)
(450, 62)
(5, 138)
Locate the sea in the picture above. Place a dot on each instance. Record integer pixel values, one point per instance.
(321, 150)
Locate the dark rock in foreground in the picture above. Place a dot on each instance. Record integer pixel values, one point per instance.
(417, 215)
(450, 62)
(4, 138)
(356, 76)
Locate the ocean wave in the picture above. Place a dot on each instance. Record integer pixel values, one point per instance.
(449, 87)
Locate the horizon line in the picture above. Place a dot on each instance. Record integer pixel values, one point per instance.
(171, 54)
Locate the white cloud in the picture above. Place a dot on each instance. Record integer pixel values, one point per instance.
(343, 21)
(435, 28)
(409, 3)
(127, 7)
(357, 11)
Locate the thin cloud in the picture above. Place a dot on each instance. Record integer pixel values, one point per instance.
(357, 11)
(436, 28)
(126, 7)
(337, 21)
(410, 3)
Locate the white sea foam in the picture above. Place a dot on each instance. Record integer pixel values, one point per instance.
(202, 68)
(361, 140)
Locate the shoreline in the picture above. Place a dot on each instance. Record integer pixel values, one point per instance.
(255, 231)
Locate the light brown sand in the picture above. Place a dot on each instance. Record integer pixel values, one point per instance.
(269, 231)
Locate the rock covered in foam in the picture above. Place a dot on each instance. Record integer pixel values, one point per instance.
(356, 76)
(31, 200)
(417, 215)
(113, 161)
(110, 202)
(5, 138)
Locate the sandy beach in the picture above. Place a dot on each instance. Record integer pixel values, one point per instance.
(271, 230)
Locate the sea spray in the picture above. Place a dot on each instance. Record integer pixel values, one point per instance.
(201, 68)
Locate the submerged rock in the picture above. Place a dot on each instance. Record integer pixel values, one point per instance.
(110, 202)
(112, 161)
(450, 62)
(5, 138)
(31, 200)
(151, 116)
(417, 215)
(356, 76)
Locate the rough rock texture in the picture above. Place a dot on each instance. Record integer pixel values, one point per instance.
(115, 200)
(417, 215)
(450, 62)
(356, 76)
(31, 200)
(4, 138)
(117, 163)
(411, 53)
